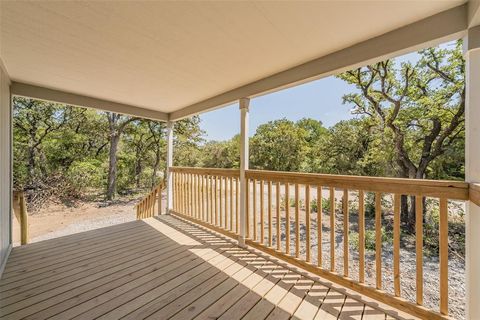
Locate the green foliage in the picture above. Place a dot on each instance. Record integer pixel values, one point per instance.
(325, 205)
(278, 145)
(86, 174)
(369, 239)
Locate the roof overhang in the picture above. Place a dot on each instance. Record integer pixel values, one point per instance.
(57, 51)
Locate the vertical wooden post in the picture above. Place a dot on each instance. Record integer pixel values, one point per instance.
(23, 219)
(169, 164)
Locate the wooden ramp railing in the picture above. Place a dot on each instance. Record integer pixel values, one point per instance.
(151, 204)
(285, 218)
(21, 214)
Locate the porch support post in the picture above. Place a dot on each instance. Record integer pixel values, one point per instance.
(472, 168)
(169, 164)
(244, 156)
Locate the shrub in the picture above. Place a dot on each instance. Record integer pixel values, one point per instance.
(369, 239)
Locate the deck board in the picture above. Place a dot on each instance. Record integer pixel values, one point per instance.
(164, 268)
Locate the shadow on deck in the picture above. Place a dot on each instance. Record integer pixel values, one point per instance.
(166, 268)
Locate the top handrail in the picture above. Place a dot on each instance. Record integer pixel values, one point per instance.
(208, 171)
(474, 193)
(454, 190)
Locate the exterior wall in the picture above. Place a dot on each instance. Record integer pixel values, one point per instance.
(5, 168)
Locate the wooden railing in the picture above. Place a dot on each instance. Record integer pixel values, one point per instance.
(209, 196)
(151, 204)
(285, 218)
(21, 214)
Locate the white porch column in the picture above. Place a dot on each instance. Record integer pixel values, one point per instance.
(244, 105)
(472, 168)
(169, 164)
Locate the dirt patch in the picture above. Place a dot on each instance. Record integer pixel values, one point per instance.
(56, 220)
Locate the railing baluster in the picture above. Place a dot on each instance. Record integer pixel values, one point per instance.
(231, 203)
(254, 209)
(319, 226)
(160, 200)
(269, 213)
(220, 195)
(277, 209)
(307, 222)
(180, 193)
(190, 195)
(262, 213)
(216, 200)
(175, 191)
(346, 225)
(237, 203)
(287, 219)
(443, 235)
(226, 202)
(247, 209)
(297, 221)
(396, 244)
(332, 229)
(197, 196)
(211, 199)
(185, 194)
(378, 240)
(201, 197)
(419, 247)
(361, 236)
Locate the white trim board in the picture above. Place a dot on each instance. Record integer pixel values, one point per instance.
(41, 93)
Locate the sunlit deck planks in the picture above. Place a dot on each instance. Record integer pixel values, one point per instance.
(162, 268)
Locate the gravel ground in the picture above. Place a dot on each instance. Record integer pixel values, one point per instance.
(86, 225)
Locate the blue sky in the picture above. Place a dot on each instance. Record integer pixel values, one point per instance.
(319, 99)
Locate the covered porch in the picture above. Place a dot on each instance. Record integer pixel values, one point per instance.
(219, 248)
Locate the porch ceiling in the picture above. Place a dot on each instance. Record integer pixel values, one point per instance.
(166, 56)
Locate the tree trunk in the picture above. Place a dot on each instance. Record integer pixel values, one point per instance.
(138, 171)
(112, 167)
(31, 165)
(155, 168)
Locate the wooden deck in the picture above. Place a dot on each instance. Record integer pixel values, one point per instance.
(166, 268)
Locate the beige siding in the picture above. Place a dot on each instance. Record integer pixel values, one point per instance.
(5, 168)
